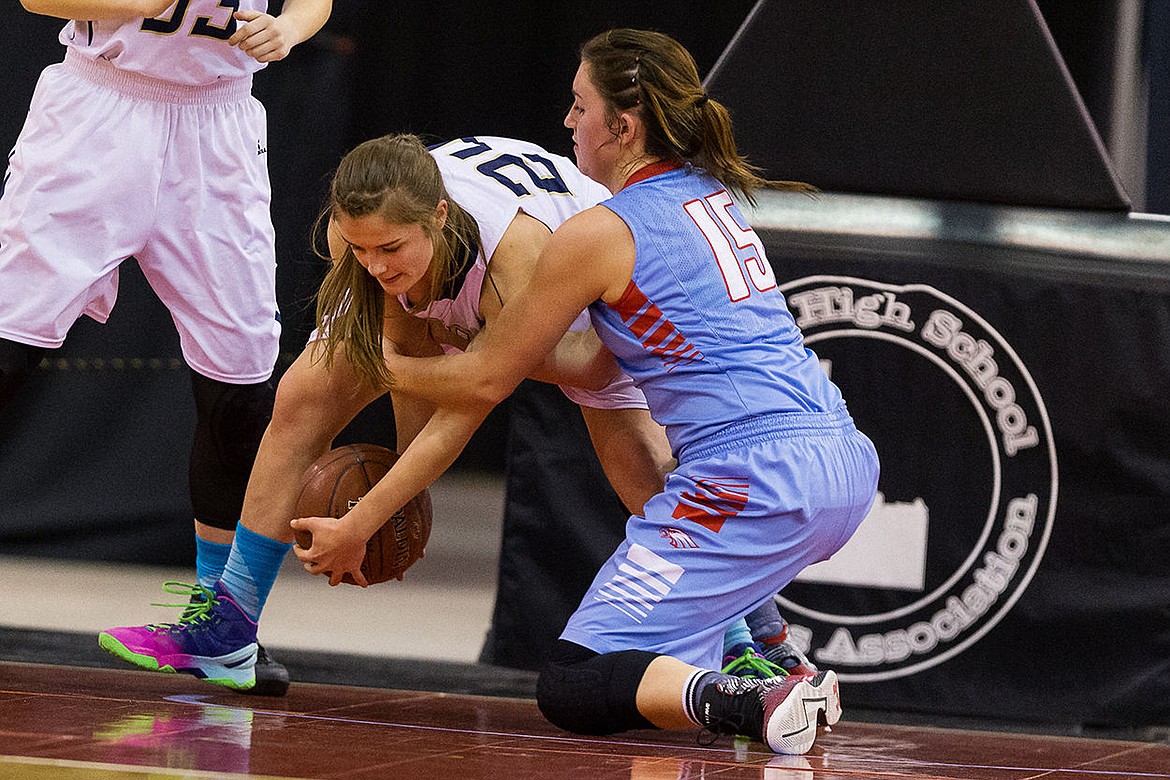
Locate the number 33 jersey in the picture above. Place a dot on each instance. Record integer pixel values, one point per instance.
(187, 44)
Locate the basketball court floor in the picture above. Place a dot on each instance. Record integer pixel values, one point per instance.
(69, 722)
(387, 686)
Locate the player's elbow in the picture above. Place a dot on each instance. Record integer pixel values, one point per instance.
(488, 391)
(600, 377)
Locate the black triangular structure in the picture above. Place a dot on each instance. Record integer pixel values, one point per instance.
(916, 98)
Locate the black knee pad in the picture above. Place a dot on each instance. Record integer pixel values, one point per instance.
(230, 420)
(17, 361)
(589, 693)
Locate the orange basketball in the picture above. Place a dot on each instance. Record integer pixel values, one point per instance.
(338, 480)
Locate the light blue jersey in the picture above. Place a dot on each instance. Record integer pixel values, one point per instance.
(703, 328)
(772, 477)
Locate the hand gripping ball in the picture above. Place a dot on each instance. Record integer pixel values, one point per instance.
(338, 480)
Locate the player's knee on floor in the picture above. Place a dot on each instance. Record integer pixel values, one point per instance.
(17, 361)
(584, 692)
(230, 421)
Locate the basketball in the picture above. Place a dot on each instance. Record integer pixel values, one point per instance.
(338, 480)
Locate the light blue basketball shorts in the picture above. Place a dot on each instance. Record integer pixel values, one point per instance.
(742, 515)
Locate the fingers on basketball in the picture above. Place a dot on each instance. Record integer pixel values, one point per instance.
(338, 480)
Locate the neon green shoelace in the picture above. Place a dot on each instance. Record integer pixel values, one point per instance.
(199, 603)
(751, 661)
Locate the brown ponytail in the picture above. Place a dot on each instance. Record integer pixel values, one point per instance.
(640, 70)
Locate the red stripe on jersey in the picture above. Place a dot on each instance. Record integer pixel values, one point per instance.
(640, 324)
(714, 503)
(660, 334)
(631, 302)
(643, 317)
(675, 343)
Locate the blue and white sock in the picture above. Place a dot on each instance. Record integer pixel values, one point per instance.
(251, 569)
(765, 624)
(736, 638)
(210, 560)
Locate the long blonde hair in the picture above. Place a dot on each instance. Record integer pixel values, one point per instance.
(641, 70)
(395, 177)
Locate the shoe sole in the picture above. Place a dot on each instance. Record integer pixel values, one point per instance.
(216, 671)
(267, 688)
(791, 728)
(270, 681)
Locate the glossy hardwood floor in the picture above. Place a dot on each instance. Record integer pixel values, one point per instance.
(425, 709)
(87, 723)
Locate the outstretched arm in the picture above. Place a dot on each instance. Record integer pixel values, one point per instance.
(590, 257)
(467, 387)
(339, 544)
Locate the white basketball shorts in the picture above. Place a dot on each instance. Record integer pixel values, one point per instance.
(111, 165)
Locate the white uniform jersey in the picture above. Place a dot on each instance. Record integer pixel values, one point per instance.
(493, 179)
(146, 46)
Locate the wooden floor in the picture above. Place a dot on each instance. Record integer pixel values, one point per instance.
(79, 714)
(78, 723)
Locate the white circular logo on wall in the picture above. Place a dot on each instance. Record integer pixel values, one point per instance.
(968, 483)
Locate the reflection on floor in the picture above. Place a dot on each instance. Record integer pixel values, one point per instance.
(64, 722)
(387, 686)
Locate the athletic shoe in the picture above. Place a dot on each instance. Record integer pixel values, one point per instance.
(213, 640)
(745, 661)
(271, 677)
(788, 656)
(792, 707)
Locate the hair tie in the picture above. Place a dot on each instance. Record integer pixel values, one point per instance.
(702, 101)
(637, 67)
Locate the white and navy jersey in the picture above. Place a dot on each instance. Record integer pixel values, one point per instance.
(493, 179)
(186, 45)
(702, 328)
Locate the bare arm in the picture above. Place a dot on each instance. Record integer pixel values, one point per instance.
(97, 9)
(269, 38)
(339, 544)
(633, 451)
(567, 278)
(589, 257)
(579, 360)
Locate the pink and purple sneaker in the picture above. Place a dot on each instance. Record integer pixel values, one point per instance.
(214, 640)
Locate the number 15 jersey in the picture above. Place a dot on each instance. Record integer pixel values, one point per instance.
(703, 329)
